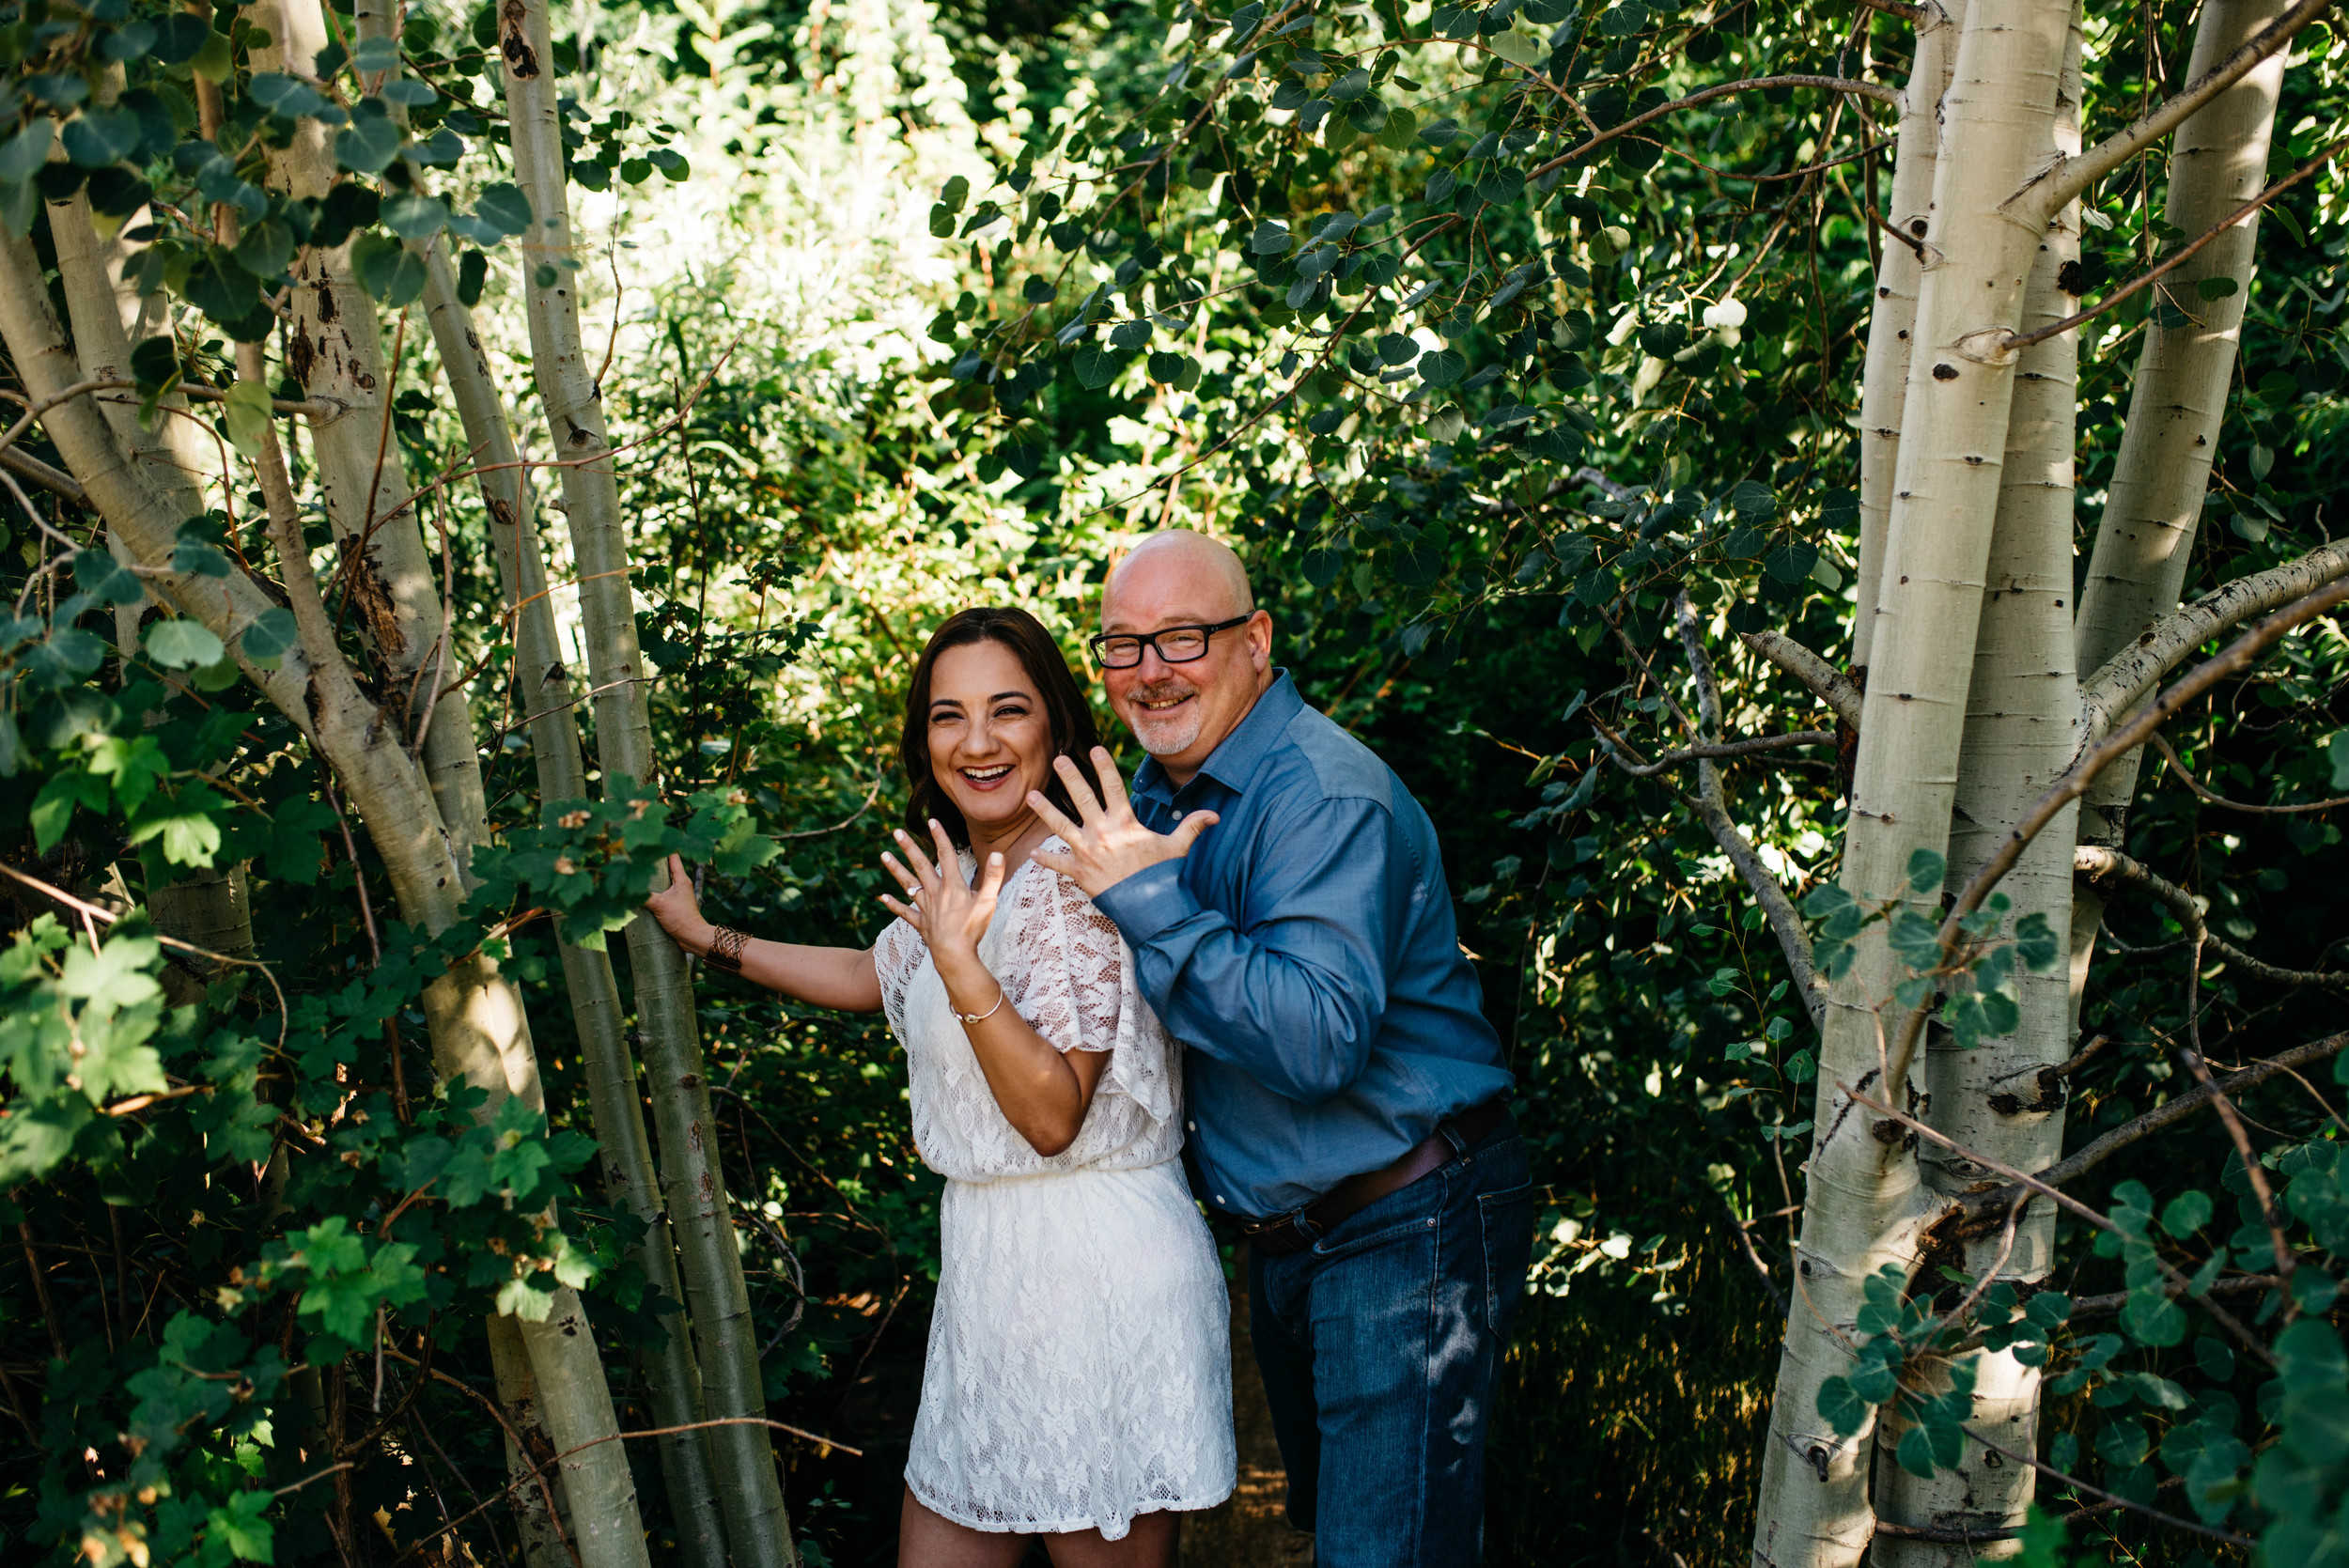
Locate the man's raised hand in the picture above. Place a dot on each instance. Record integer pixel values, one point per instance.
(1108, 844)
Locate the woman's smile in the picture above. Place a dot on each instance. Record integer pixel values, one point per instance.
(990, 740)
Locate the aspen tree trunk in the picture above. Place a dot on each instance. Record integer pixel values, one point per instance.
(1892, 315)
(542, 1547)
(2137, 569)
(1862, 1203)
(334, 348)
(672, 1379)
(474, 1016)
(2022, 706)
(758, 1529)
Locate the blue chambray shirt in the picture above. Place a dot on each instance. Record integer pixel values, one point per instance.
(1304, 955)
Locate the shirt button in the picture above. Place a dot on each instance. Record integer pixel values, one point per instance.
(1178, 816)
(1193, 1125)
(1219, 1197)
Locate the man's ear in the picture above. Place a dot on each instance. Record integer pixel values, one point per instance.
(1260, 641)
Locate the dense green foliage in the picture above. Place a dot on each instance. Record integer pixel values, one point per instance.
(1321, 283)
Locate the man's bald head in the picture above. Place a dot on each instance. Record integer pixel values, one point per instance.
(1176, 567)
(1181, 711)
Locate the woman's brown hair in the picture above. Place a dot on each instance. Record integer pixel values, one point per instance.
(1064, 709)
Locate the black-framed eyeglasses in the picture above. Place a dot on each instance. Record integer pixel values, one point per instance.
(1175, 644)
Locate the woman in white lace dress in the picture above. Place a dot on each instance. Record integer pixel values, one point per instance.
(1078, 1385)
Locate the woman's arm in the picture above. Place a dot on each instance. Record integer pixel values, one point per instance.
(838, 977)
(1042, 1091)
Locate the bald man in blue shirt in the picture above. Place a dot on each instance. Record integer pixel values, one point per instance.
(1346, 1103)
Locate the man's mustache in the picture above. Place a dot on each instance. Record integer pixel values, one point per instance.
(1159, 691)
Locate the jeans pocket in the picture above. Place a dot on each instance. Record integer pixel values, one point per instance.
(1506, 1216)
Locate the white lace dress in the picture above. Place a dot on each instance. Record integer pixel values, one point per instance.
(1079, 1370)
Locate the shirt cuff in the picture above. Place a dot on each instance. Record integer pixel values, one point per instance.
(1149, 902)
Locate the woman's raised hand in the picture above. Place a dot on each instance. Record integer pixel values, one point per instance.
(952, 917)
(677, 912)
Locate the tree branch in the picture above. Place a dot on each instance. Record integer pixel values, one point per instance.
(2169, 756)
(1728, 748)
(1829, 684)
(2070, 177)
(2218, 1314)
(1876, 90)
(2108, 869)
(2019, 341)
(24, 466)
(2125, 678)
(1978, 1205)
(2196, 683)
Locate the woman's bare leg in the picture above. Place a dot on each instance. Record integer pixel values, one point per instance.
(927, 1540)
(1149, 1544)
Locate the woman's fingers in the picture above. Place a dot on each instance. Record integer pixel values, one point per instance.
(991, 882)
(945, 846)
(913, 852)
(906, 879)
(906, 912)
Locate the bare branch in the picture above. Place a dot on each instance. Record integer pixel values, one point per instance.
(2127, 676)
(2067, 177)
(2110, 870)
(1829, 684)
(24, 466)
(2229, 1537)
(2169, 756)
(1896, 8)
(2019, 341)
(1876, 90)
(1727, 749)
(2238, 656)
(2224, 1319)
(1982, 1204)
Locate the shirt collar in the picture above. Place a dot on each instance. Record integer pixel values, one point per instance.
(1237, 757)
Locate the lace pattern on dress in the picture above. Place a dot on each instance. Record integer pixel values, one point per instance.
(1065, 969)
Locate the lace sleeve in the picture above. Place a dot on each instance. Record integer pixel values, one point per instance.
(896, 953)
(1074, 990)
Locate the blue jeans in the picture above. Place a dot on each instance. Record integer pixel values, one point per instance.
(1378, 1347)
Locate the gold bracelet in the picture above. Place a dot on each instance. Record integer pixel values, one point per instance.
(725, 950)
(970, 1019)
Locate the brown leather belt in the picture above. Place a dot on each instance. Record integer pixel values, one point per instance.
(1293, 1231)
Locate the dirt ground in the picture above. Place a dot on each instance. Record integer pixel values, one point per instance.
(1248, 1531)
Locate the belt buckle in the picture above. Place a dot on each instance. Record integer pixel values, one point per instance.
(1293, 1227)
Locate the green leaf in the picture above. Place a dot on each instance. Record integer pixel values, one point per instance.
(106, 579)
(390, 273)
(412, 216)
(369, 143)
(220, 286)
(503, 206)
(293, 851)
(246, 410)
(268, 636)
(2187, 1213)
(1754, 502)
(1842, 1407)
(1096, 365)
(1927, 870)
(1915, 1452)
(23, 154)
(179, 644)
(1442, 367)
(98, 137)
